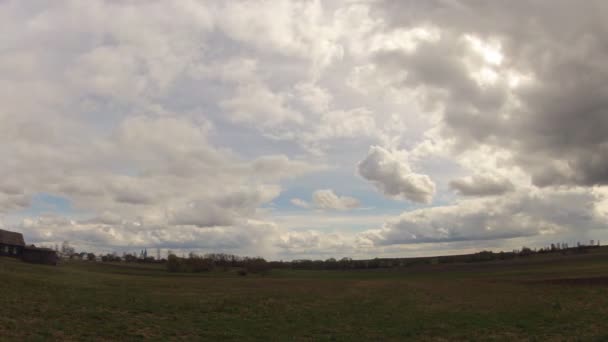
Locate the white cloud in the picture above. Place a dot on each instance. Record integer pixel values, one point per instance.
(522, 214)
(299, 203)
(392, 176)
(327, 199)
(255, 103)
(180, 124)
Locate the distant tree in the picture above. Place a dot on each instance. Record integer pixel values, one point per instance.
(482, 256)
(90, 256)
(66, 248)
(374, 263)
(197, 263)
(128, 257)
(346, 263)
(257, 265)
(173, 263)
(331, 264)
(525, 251)
(110, 258)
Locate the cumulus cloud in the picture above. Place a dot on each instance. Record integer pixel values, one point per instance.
(393, 177)
(538, 96)
(482, 185)
(254, 103)
(306, 243)
(247, 236)
(298, 202)
(326, 199)
(521, 215)
(10, 202)
(181, 130)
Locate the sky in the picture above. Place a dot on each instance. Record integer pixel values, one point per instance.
(304, 129)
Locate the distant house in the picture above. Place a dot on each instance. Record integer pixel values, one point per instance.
(12, 244)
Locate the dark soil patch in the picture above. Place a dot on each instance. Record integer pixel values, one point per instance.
(593, 281)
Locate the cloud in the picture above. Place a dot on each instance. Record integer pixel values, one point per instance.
(181, 130)
(255, 103)
(299, 203)
(303, 244)
(538, 96)
(394, 178)
(482, 185)
(9, 202)
(519, 215)
(272, 167)
(327, 199)
(250, 235)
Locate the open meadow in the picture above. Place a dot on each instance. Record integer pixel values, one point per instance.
(541, 298)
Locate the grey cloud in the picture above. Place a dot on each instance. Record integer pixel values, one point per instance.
(300, 240)
(518, 215)
(482, 185)
(133, 115)
(273, 167)
(130, 195)
(558, 119)
(311, 242)
(394, 178)
(254, 103)
(248, 198)
(81, 186)
(223, 209)
(202, 214)
(93, 112)
(98, 236)
(106, 218)
(11, 188)
(10, 203)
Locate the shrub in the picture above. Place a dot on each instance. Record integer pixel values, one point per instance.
(257, 265)
(173, 263)
(199, 264)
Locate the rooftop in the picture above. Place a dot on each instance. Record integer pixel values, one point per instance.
(11, 238)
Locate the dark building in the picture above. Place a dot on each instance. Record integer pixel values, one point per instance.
(12, 244)
(39, 255)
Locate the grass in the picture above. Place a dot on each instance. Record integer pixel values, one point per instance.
(520, 300)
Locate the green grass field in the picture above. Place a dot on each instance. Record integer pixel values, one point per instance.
(531, 299)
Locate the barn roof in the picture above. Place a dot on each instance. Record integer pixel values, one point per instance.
(11, 238)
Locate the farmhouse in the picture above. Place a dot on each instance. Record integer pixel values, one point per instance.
(12, 244)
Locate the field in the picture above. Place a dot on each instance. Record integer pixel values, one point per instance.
(540, 298)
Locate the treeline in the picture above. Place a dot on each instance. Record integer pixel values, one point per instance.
(204, 263)
(243, 265)
(376, 263)
(196, 263)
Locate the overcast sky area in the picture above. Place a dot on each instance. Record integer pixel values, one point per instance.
(304, 129)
